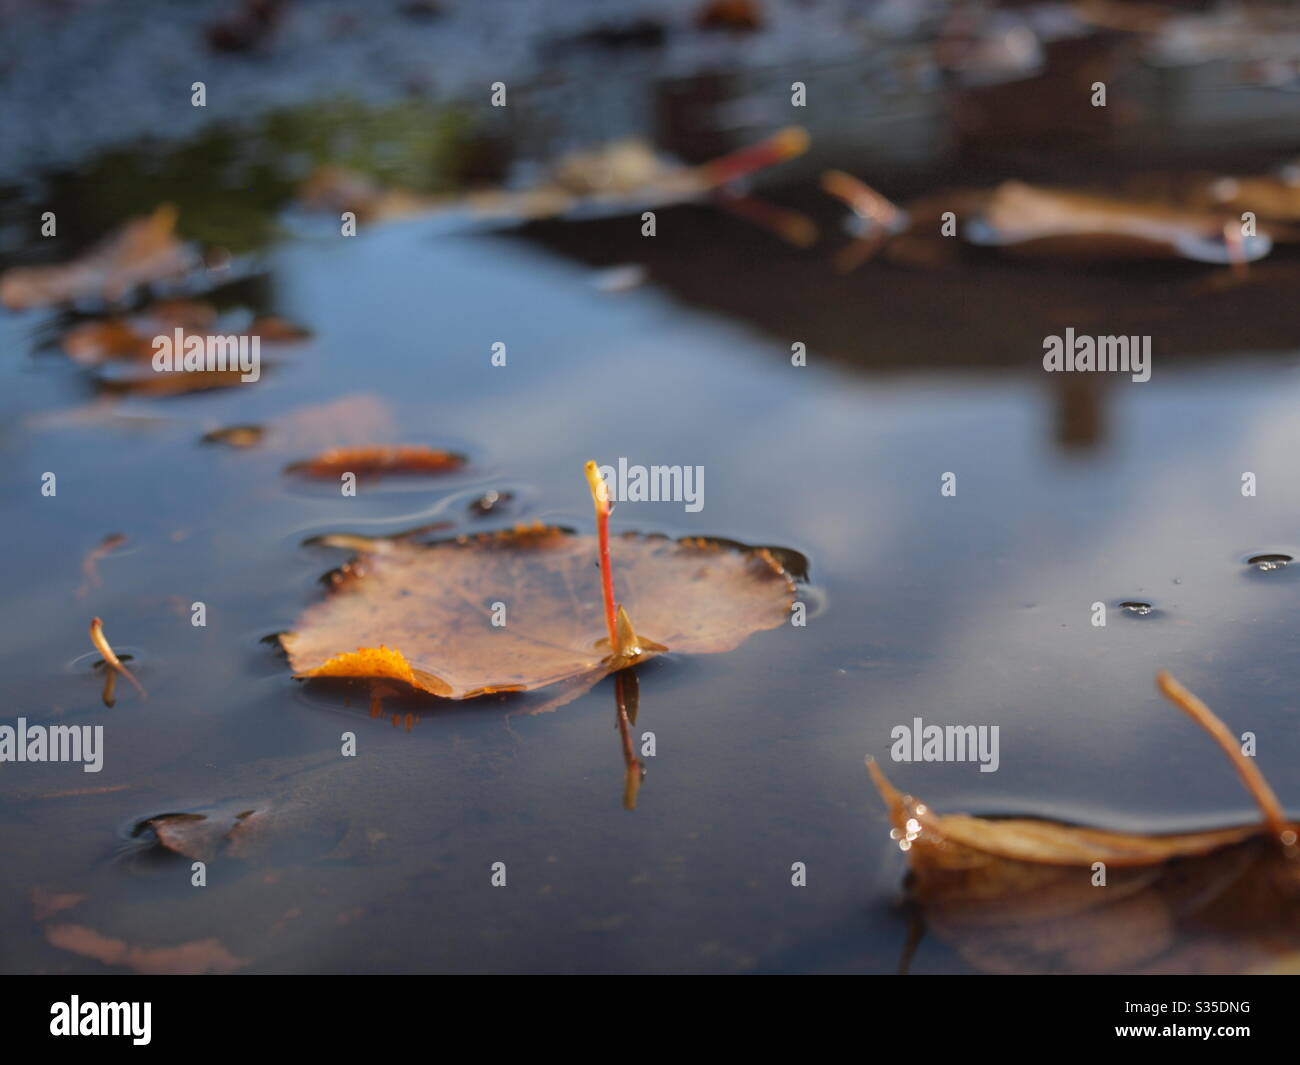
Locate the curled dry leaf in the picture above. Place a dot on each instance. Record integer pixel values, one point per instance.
(1026, 220)
(246, 831)
(1022, 895)
(114, 663)
(1273, 198)
(423, 614)
(1031, 221)
(378, 461)
(197, 836)
(143, 250)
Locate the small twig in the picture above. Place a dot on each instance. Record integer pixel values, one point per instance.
(1256, 785)
(600, 498)
(793, 227)
(101, 645)
(1232, 238)
(626, 699)
(109, 694)
(861, 198)
(782, 145)
(862, 250)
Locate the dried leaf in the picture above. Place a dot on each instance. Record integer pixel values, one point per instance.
(621, 175)
(96, 342)
(114, 663)
(237, 436)
(244, 830)
(423, 614)
(143, 250)
(1020, 895)
(1027, 220)
(379, 461)
(172, 384)
(196, 836)
(729, 15)
(91, 343)
(1273, 198)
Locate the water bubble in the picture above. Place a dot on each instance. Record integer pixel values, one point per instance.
(490, 503)
(1264, 563)
(1140, 609)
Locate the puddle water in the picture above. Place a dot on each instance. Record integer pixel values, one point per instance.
(1065, 492)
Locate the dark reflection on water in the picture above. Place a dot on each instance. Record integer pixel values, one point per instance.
(973, 607)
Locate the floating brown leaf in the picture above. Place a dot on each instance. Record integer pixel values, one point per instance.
(375, 461)
(1027, 220)
(423, 615)
(197, 836)
(617, 176)
(244, 830)
(96, 342)
(729, 15)
(143, 250)
(1273, 198)
(1020, 895)
(237, 436)
(1032, 221)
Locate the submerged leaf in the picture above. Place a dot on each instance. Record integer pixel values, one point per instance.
(1017, 895)
(46, 903)
(199, 956)
(143, 250)
(197, 836)
(424, 614)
